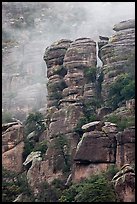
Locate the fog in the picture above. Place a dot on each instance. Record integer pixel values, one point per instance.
(32, 26)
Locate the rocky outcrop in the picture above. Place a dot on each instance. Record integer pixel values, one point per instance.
(100, 146)
(68, 88)
(12, 159)
(12, 146)
(95, 151)
(32, 157)
(73, 93)
(115, 60)
(124, 183)
(125, 147)
(104, 148)
(66, 62)
(12, 135)
(124, 25)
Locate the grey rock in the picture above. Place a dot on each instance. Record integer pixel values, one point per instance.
(33, 156)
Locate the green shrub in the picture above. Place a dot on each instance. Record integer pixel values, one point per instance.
(90, 74)
(57, 86)
(28, 148)
(34, 122)
(14, 184)
(82, 121)
(122, 89)
(122, 122)
(111, 171)
(68, 195)
(60, 143)
(95, 189)
(55, 95)
(47, 193)
(31, 146)
(41, 146)
(130, 64)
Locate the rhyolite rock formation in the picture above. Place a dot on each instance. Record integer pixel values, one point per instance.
(72, 87)
(124, 183)
(75, 85)
(116, 53)
(12, 146)
(68, 88)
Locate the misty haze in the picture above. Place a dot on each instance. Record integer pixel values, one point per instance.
(29, 27)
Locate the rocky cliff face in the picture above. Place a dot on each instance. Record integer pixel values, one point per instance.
(116, 53)
(71, 93)
(12, 146)
(80, 144)
(124, 183)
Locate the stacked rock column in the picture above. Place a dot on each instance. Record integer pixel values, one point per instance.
(116, 53)
(66, 62)
(53, 57)
(80, 61)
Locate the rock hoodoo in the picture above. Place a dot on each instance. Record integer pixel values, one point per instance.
(81, 141)
(116, 53)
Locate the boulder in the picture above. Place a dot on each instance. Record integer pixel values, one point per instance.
(115, 61)
(124, 183)
(96, 147)
(65, 120)
(32, 157)
(55, 53)
(41, 172)
(5, 126)
(31, 135)
(12, 136)
(109, 127)
(12, 159)
(125, 147)
(124, 25)
(81, 53)
(96, 125)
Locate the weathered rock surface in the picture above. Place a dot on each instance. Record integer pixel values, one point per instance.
(124, 25)
(109, 127)
(39, 172)
(125, 147)
(71, 65)
(114, 59)
(92, 126)
(54, 54)
(12, 159)
(66, 61)
(65, 120)
(12, 136)
(124, 183)
(96, 147)
(12, 146)
(81, 53)
(82, 171)
(33, 156)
